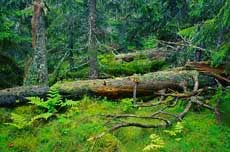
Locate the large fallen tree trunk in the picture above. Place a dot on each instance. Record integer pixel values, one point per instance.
(113, 88)
(124, 86)
(155, 54)
(142, 85)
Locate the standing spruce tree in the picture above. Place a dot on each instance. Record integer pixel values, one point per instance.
(37, 73)
(92, 49)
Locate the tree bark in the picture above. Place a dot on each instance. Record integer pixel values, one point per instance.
(11, 96)
(37, 73)
(92, 50)
(146, 85)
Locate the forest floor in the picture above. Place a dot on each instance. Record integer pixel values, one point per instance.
(69, 131)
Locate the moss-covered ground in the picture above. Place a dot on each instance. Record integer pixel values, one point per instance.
(69, 131)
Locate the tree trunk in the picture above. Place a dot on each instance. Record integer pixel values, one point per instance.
(92, 50)
(122, 36)
(70, 46)
(37, 73)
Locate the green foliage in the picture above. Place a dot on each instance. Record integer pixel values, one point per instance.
(188, 32)
(223, 95)
(49, 108)
(54, 103)
(10, 73)
(72, 129)
(176, 131)
(126, 104)
(156, 143)
(45, 116)
(211, 33)
(221, 55)
(149, 42)
(19, 121)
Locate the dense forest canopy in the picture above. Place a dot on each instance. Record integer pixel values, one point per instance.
(70, 60)
(121, 26)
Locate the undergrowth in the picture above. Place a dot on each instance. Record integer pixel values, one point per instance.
(72, 126)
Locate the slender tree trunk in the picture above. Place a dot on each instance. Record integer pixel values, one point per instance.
(70, 47)
(122, 35)
(92, 50)
(37, 72)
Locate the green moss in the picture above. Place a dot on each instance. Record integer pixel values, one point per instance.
(139, 66)
(70, 131)
(109, 67)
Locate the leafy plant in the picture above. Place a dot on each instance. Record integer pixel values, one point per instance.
(219, 56)
(51, 107)
(54, 102)
(126, 104)
(156, 143)
(223, 95)
(176, 130)
(19, 121)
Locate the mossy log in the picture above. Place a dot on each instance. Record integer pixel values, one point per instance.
(145, 85)
(120, 87)
(155, 54)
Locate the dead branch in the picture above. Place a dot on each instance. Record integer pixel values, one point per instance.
(203, 105)
(166, 123)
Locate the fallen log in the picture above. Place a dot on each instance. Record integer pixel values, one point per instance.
(154, 54)
(113, 88)
(11, 96)
(146, 84)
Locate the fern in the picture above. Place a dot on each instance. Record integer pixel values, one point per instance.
(54, 101)
(126, 104)
(45, 116)
(53, 104)
(38, 102)
(19, 121)
(69, 103)
(177, 130)
(156, 143)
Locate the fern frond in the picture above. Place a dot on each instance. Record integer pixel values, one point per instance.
(45, 116)
(19, 121)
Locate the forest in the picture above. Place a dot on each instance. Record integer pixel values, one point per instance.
(114, 76)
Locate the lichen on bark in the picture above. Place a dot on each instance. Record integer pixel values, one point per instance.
(37, 72)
